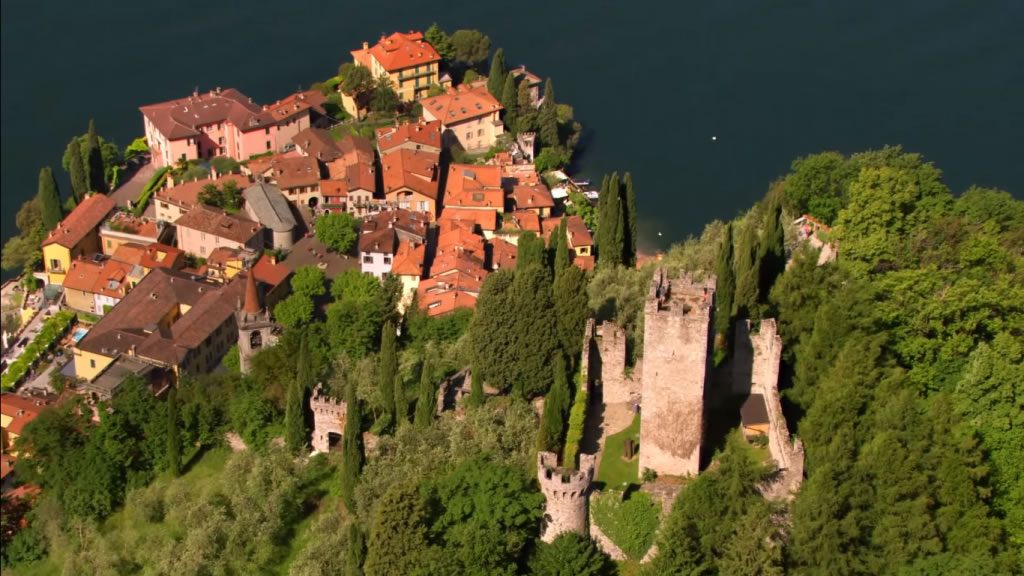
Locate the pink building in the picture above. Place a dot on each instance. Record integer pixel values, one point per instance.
(225, 123)
(202, 230)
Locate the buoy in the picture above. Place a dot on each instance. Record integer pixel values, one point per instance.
(659, 233)
(714, 138)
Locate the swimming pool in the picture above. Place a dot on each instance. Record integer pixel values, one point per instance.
(78, 334)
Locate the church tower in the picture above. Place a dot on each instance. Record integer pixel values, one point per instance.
(255, 328)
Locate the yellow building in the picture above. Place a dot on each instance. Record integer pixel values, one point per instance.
(75, 236)
(408, 60)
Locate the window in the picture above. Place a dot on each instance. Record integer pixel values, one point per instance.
(387, 259)
(469, 135)
(268, 130)
(92, 362)
(54, 264)
(164, 205)
(480, 133)
(367, 259)
(268, 142)
(109, 243)
(202, 249)
(220, 140)
(202, 235)
(423, 206)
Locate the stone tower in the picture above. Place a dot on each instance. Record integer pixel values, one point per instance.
(328, 418)
(567, 493)
(255, 328)
(677, 346)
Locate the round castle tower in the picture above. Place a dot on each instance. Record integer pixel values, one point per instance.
(567, 493)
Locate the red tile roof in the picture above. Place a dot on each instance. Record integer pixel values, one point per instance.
(108, 278)
(398, 51)
(83, 219)
(409, 259)
(22, 409)
(445, 294)
(187, 193)
(585, 263)
(461, 104)
(578, 233)
(503, 254)
(422, 133)
(221, 224)
(180, 118)
(294, 172)
(531, 196)
(381, 232)
(269, 272)
(412, 169)
(525, 220)
(472, 186)
(461, 238)
(485, 220)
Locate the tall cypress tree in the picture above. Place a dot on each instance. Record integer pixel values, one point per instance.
(426, 401)
(476, 387)
(94, 156)
(556, 409)
(49, 198)
(571, 310)
(748, 275)
(602, 213)
(629, 257)
(726, 286)
(173, 434)
(387, 370)
(496, 79)
(76, 170)
(549, 117)
(352, 446)
(561, 250)
(509, 102)
(530, 251)
(355, 550)
(612, 225)
(294, 410)
(772, 251)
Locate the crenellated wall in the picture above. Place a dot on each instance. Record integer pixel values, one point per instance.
(567, 493)
(617, 388)
(328, 417)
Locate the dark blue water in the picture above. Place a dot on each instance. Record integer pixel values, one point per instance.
(652, 82)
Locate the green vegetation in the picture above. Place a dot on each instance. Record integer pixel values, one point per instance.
(337, 231)
(556, 409)
(577, 419)
(615, 471)
(49, 199)
(571, 554)
(90, 160)
(227, 197)
(53, 330)
(630, 523)
(155, 183)
(224, 165)
(616, 222)
(496, 78)
(137, 147)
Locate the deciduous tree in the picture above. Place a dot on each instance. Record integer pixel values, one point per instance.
(471, 47)
(337, 231)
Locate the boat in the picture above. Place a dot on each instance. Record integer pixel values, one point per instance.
(581, 182)
(591, 194)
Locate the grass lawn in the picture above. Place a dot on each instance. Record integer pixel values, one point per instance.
(615, 471)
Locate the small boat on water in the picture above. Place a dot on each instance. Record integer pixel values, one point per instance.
(591, 194)
(581, 182)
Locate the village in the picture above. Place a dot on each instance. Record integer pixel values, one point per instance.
(164, 283)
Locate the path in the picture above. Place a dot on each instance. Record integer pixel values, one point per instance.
(132, 187)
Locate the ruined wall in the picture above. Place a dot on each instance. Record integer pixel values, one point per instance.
(677, 344)
(788, 454)
(586, 362)
(611, 348)
(567, 494)
(328, 417)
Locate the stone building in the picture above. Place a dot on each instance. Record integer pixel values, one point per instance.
(328, 420)
(567, 493)
(255, 328)
(616, 386)
(677, 346)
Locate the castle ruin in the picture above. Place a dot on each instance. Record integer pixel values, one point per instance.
(676, 364)
(616, 386)
(328, 419)
(567, 493)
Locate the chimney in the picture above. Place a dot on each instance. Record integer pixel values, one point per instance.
(366, 45)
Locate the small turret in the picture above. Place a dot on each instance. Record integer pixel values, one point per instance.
(567, 493)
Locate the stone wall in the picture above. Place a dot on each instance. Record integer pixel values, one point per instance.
(586, 362)
(677, 345)
(328, 417)
(616, 387)
(567, 494)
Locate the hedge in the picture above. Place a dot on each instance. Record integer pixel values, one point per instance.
(155, 182)
(577, 418)
(52, 330)
(630, 523)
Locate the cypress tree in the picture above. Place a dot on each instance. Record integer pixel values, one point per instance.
(426, 399)
(629, 257)
(352, 447)
(561, 250)
(726, 286)
(173, 434)
(476, 388)
(76, 170)
(49, 198)
(548, 117)
(556, 409)
(571, 310)
(772, 250)
(602, 213)
(747, 271)
(530, 251)
(612, 226)
(387, 370)
(355, 550)
(496, 79)
(94, 158)
(509, 102)
(532, 330)
(523, 100)
(294, 411)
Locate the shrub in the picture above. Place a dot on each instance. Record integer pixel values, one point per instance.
(577, 418)
(147, 191)
(629, 523)
(52, 330)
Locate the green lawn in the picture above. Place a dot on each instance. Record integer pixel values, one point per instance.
(616, 471)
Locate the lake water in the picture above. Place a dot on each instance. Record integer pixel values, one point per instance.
(653, 82)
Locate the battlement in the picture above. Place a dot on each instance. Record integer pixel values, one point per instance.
(328, 418)
(567, 493)
(682, 296)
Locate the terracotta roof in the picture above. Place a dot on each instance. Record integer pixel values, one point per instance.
(472, 186)
(460, 104)
(318, 143)
(23, 409)
(576, 228)
(445, 294)
(252, 296)
(126, 223)
(218, 223)
(292, 172)
(180, 118)
(381, 232)
(531, 78)
(269, 272)
(359, 176)
(140, 320)
(530, 196)
(449, 224)
(503, 254)
(333, 189)
(486, 220)
(409, 259)
(293, 105)
(462, 238)
(155, 255)
(107, 277)
(82, 220)
(398, 51)
(220, 256)
(412, 169)
(422, 133)
(525, 220)
(187, 194)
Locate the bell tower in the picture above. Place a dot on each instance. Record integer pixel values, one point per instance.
(255, 328)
